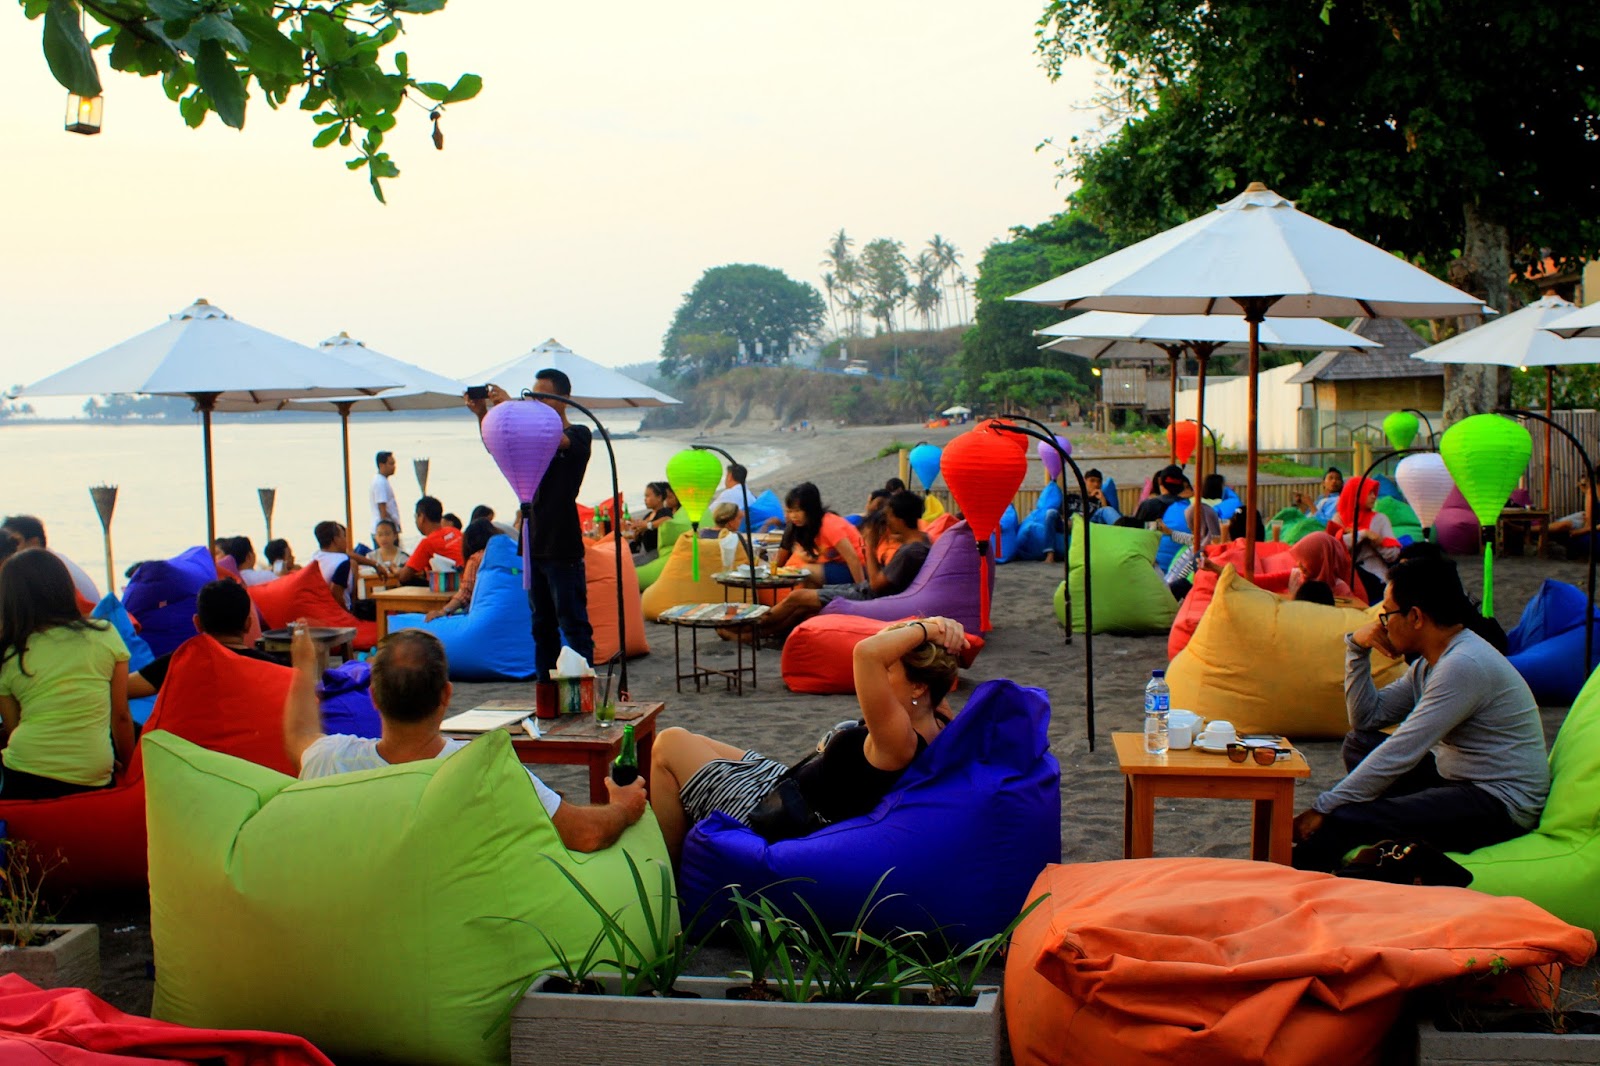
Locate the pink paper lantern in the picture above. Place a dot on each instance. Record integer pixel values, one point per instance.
(523, 436)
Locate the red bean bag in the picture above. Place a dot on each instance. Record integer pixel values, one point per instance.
(305, 594)
(1273, 564)
(817, 654)
(212, 697)
(1150, 962)
(936, 528)
(72, 1027)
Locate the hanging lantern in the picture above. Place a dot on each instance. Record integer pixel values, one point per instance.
(1426, 482)
(924, 460)
(83, 113)
(1486, 455)
(1050, 459)
(523, 438)
(1401, 427)
(984, 470)
(695, 477)
(1184, 438)
(1018, 441)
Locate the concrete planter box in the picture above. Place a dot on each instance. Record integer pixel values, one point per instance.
(716, 1031)
(1437, 1047)
(71, 960)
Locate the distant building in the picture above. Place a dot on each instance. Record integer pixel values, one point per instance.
(1348, 394)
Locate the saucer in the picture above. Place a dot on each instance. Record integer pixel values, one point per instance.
(1213, 749)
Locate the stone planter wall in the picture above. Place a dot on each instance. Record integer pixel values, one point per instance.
(71, 960)
(1437, 1047)
(715, 1031)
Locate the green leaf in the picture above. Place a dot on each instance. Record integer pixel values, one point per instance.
(217, 28)
(326, 118)
(193, 108)
(32, 9)
(383, 122)
(222, 83)
(66, 50)
(466, 87)
(175, 10)
(379, 167)
(417, 7)
(326, 137)
(269, 50)
(433, 90)
(402, 63)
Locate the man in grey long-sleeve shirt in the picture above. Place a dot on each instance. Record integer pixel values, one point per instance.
(1467, 766)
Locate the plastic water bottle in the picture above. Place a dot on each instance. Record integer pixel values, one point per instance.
(1157, 702)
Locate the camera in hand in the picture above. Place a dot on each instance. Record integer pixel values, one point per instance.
(477, 392)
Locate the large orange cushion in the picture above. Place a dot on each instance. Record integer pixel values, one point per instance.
(212, 697)
(1162, 961)
(305, 594)
(817, 654)
(600, 569)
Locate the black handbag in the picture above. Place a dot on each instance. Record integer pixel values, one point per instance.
(784, 813)
(1405, 862)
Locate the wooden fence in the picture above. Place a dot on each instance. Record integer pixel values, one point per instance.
(1566, 466)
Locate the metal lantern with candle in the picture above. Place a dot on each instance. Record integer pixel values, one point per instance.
(83, 113)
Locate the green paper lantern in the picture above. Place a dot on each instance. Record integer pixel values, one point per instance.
(695, 477)
(1401, 428)
(1486, 456)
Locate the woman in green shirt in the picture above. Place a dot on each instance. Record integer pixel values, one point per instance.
(63, 685)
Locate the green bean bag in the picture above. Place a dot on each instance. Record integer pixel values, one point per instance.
(666, 537)
(1297, 525)
(1557, 865)
(1130, 595)
(1401, 517)
(389, 914)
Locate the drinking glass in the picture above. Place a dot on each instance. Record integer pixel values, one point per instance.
(605, 712)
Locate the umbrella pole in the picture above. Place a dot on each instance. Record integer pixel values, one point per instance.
(1255, 309)
(1549, 413)
(205, 403)
(1202, 354)
(351, 582)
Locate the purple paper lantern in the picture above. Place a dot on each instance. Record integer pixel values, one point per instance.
(1052, 458)
(523, 437)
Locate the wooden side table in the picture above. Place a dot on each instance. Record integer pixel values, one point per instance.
(578, 740)
(697, 616)
(1195, 774)
(407, 599)
(1526, 518)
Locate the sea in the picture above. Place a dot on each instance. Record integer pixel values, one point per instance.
(158, 470)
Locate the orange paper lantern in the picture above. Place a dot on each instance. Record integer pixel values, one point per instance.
(1185, 436)
(984, 470)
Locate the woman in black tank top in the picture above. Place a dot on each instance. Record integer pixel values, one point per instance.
(902, 675)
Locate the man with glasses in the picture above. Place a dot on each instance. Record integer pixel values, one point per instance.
(1466, 766)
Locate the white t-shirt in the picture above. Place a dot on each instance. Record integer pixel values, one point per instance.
(84, 583)
(329, 562)
(340, 753)
(383, 492)
(734, 496)
(258, 577)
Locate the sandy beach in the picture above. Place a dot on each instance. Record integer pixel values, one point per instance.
(1025, 646)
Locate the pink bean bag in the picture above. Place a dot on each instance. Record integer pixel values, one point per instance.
(817, 655)
(947, 585)
(1456, 528)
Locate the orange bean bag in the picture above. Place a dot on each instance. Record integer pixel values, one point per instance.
(211, 697)
(676, 583)
(817, 654)
(1163, 961)
(600, 568)
(1273, 565)
(936, 527)
(305, 594)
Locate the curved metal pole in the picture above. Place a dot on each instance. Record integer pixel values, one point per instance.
(623, 693)
(1043, 433)
(749, 527)
(1432, 440)
(1588, 622)
(1356, 542)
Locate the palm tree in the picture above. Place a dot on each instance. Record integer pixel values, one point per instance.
(883, 275)
(940, 250)
(830, 284)
(926, 295)
(846, 272)
(963, 287)
(949, 262)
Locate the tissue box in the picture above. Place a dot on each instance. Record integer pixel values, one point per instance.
(444, 581)
(563, 696)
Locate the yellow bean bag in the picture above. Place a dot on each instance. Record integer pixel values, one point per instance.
(389, 914)
(1271, 665)
(677, 584)
(931, 507)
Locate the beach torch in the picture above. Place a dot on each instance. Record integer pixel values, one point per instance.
(1486, 455)
(695, 477)
(925, 464)
(105, 501)
(268, 498)
(1401, 427)
(420, 468)
(984, 469)
(523, 438)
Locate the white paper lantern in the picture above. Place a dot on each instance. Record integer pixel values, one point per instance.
(1426, 483)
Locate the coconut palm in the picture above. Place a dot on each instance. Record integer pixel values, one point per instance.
(941, 251)
(846, 272)
(926, 295)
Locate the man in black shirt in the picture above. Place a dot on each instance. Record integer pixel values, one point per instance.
(222, 612)
(1171, 483)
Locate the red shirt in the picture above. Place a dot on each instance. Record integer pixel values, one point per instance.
(443, 541)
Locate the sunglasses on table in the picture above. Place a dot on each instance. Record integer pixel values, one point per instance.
(1262, 754)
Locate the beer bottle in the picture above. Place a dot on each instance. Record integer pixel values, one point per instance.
(625, 769)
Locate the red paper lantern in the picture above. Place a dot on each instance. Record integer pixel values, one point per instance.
(1018, 439)
(1188, 437)
(984, 470)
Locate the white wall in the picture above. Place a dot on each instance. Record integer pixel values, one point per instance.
(1227, 401)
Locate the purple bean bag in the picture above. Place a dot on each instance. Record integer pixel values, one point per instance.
(1456, 528)
(962, 836)
(946, 585)
(345, 693)
(161, 594)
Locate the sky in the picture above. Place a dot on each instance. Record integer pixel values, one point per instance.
(616, 152)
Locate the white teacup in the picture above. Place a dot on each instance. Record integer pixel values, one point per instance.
(1218, 734)
(1182, 728)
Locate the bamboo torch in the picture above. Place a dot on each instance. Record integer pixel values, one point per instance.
(269, 497)
(105, 501)
(420, 466)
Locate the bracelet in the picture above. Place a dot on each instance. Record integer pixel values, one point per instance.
(924, 629)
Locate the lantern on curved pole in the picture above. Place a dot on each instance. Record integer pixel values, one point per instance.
(1401, 427)
(1426, 482)
(523, 438)
(695, 476)
(924, 460)
(1185, 438)
(1486, 455)
(1051, 452)
(984, 469)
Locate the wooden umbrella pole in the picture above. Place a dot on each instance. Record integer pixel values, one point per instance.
(205, 403)
(1255, 309)
(1172, 409)
(1201, 353)
(1549, 413)
(352, 582)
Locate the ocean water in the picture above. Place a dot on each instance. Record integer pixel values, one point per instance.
(159, 473)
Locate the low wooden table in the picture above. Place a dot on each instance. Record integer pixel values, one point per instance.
(1526, 518)
(407, 599)
(1192, 774)
(578, 740)
(697, 616)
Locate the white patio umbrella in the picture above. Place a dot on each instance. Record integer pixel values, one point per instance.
(1121, 335)
(1523, 338)
(1584, 323)
(1255, 254)
(956, 410)
(222, 364)
(419, 390)
(593, 385)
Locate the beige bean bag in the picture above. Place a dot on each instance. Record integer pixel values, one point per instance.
(676, 584)
(1271, 665)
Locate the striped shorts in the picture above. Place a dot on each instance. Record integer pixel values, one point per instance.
(734, 787)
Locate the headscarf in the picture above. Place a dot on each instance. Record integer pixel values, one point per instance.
(1204, 524)
(1323, 558)
(1345, 514)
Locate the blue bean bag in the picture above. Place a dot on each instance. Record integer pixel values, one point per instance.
(1176, 519)
(963, 835)
(1006, 544)
(763, 507)
(110, 609)
(1041, 532)
(1229, 503)
(1547, 645)
(493, 641)
(161, 595)
(345, 693)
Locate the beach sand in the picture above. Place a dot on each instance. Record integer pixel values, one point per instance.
(1025, 646)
